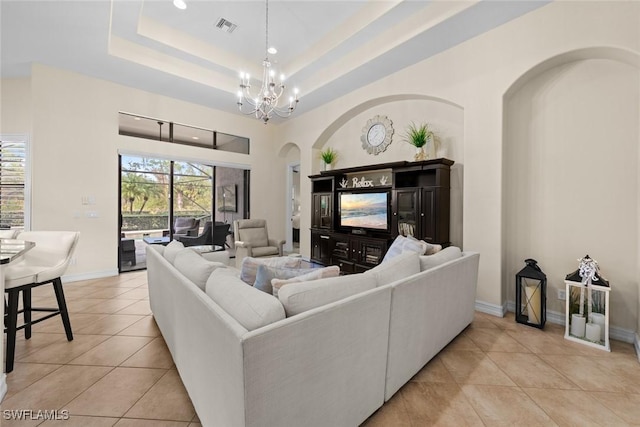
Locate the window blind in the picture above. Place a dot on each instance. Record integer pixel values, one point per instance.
(12, 182)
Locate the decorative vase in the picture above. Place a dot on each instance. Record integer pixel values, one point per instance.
(327, 166)
(420, 154)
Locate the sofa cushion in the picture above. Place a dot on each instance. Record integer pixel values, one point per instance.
(300, 297)
(445, 255)
(252, 308)
(194, 267)
(403, 244)
(171, 250)
(314, 274)
(249, 267)
(404, 265)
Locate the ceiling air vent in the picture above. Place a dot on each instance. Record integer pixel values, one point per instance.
(225, 25)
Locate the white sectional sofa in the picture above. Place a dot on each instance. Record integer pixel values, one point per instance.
(348, 343)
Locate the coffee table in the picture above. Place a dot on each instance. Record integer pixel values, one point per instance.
(164, 241)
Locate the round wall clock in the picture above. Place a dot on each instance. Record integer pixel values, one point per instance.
(376, 134)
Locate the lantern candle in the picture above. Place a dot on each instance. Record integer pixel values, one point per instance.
(533, 303)
(578, 325)
(593, 332)
(598, 319)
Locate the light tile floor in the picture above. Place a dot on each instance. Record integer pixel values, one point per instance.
(118, 371)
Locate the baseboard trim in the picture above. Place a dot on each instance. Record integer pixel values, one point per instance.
(89, 276)
(3, 386)
(636, 344)
(615, 333)
(492, 309)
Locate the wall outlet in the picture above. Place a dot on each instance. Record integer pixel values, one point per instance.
(562, 295)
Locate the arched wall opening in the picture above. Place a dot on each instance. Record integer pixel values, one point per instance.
(571, 140)
(290, 154)
(445, 117)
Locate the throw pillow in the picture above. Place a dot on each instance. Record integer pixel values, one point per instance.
(300, 297)
(315, 274)
(248, 306)
(171, 250)
(402, 266)
(428, 248)
(445, 255)
(194, 267)
(402, 244)
(249, 267)
(266, 272)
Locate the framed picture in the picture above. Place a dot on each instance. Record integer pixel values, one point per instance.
(227, 200)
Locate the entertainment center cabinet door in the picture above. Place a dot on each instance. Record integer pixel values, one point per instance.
(322, 211)
(320, 247)
(405, 213)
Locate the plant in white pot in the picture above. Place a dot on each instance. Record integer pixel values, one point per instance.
(419, 136)
(328, 156)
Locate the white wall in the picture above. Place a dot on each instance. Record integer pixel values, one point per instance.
(571, 175)
(475, 75)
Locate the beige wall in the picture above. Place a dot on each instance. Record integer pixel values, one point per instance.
(571, 167)
(475, 76)
(73, 123)
(75, 145)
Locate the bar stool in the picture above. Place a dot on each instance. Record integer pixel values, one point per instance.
(44, 264)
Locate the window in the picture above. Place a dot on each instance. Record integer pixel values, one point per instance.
(176, 133)
(14, 200)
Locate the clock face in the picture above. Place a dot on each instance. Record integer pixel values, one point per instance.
(376, 134)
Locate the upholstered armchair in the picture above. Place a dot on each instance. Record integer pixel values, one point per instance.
(186, 227)
(252, 239)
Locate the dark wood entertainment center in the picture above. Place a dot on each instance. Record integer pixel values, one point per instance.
(418, 200)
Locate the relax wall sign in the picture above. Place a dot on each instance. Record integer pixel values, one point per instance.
(374, 179)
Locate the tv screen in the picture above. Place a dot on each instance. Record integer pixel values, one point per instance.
(365, 210)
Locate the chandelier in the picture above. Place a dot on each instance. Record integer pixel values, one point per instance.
(264, 104)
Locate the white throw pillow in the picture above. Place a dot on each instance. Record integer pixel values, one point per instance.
(300, 297)
(315, 274)
(249, 267)
(403, 244)
(427, 248)
(250, 307)
(194, 267)
(445, 255)
(399, 267)
(171, 250)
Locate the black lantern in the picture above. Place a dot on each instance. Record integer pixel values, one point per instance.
(531, 295)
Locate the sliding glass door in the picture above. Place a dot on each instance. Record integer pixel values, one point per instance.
(160, 197)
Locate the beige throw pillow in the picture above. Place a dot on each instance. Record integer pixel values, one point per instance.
(445, 255)
(317, 273)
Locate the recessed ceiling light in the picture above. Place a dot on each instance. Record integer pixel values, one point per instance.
(194, 137)
(136, 118)
(272, 50)
(180, 4)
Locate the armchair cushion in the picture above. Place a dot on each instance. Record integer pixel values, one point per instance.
(256, 237)
(265, 251)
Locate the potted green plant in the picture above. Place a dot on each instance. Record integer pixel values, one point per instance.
(419, 136)
(328, 156)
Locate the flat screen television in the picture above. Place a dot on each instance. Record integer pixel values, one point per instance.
(364, 210)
